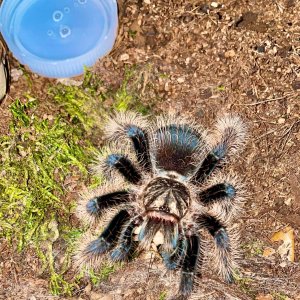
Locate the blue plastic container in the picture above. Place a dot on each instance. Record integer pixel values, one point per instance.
(57, 38)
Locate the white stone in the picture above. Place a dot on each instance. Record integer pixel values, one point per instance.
(124, 57)
(181, 80)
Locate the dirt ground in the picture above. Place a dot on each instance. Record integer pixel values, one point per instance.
(202, 59)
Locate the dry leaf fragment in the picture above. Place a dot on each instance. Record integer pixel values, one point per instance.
(287, 248)
(268, 252)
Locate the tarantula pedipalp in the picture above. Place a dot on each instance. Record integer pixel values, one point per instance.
(173, 188)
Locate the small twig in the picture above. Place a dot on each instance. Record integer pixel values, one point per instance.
(262, 102)
(265, 134)
(150, 266)
(287, 134)
(145, 82)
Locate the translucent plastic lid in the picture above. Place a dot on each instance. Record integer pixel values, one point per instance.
(57, 38)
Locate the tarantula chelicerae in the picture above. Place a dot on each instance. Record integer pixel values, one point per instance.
(171, 186)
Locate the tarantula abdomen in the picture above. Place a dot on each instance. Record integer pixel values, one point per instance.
(171, 184)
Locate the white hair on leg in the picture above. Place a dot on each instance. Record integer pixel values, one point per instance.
(230, 134)
(226, 253)
(90, 195)
(227, 208)
(117, 126)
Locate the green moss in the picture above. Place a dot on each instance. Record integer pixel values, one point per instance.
(37, 156)
(279, 296)
(220, 88)
(132, 33)
(244, 284)
(82, 105)
(162, 295)
(127, 97)
(253, 248)
(107, 269)
(38, 159)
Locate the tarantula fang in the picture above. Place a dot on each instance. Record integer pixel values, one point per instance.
(170, 182)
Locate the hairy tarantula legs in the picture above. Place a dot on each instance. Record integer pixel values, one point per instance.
(224, 195)
(124, 166)
(187, 256)
(141, 146)
(217, 192)
(130, 126)
(93, 203)
(126, 244)
(109, 236)
(223, 245)
(229, 135)
(173, 261)
(190, 264)
(96, 205)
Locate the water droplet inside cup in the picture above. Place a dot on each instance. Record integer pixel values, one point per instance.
(57, 16)
(49, 32)
(66, 10)
(82, 1)
(64, 31)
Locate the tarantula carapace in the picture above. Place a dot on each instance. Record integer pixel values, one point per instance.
(172, 184)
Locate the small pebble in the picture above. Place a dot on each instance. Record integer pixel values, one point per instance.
(261, 49)
(296, 85)
(281, 121)
(288, 201)
(204, 8)
(283, 264)
(16, 74)
(124, 57)
(181, 80)
(214, 4)
(229, 53)
(70, 81)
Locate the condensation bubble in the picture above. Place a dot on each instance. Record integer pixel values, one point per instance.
(82, 1)
(66, 10)
(64, 31)
(49, 32)
(57, 16)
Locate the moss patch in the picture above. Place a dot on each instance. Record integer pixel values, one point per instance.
(44, 160)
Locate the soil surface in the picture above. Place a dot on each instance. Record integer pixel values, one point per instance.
(202, 59)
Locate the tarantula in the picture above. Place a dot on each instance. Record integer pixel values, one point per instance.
(172, 185)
